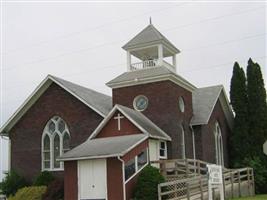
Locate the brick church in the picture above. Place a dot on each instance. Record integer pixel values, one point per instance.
(99, 144)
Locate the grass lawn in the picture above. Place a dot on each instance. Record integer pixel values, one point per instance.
(257, 197)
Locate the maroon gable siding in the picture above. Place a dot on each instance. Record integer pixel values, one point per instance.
(163, 110)
(27, 133)
(111, 128)
(70, 180)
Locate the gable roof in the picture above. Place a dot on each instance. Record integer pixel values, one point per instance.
(104, 147)
(98, 102)
(204, 100)
(149, 35)
(138, 119)
(148, 75)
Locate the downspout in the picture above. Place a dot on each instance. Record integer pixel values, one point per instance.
(123, 177)
(194, 147)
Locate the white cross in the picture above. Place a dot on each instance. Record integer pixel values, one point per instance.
(119, 117)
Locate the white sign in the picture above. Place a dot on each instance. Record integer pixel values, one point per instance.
(215, 174)
(215, 180)
(265, 147)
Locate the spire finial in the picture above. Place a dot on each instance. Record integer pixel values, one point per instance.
(150, 20)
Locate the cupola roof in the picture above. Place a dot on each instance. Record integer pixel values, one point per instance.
(149, 36)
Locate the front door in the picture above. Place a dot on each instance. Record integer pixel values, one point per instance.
(92, 179)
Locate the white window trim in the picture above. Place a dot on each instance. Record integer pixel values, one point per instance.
(165, 150)
(51, 137)
(219, 154)
(134, 102)
(136, 166)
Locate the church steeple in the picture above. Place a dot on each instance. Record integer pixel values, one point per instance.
(151, 48)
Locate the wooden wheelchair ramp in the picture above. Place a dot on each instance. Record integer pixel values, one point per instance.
(188, 179)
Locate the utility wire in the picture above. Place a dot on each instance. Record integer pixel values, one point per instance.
(61, 37)
(121, 64)
(226, 42)
(115, 42)
(169, 29)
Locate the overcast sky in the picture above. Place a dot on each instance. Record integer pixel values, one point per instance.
(81, 42)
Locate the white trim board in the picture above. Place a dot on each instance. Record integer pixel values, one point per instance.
(186, 85)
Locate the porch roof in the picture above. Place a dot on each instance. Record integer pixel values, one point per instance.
(104, 147)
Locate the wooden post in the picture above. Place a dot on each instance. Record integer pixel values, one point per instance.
(232, 184)
(248, 177)
(159, 192)
(187, 190)
(187, 168)
(239, 184)
(198, 167)
(253, 181)
(201, 189)
(224, 185)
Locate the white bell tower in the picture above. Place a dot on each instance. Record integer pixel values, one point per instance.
(151, 48)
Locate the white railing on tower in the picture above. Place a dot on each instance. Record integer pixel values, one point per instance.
(145, 64)
(151, 63)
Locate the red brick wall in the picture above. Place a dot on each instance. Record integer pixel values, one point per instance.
(70, 180)
(26, 134)
(208, 141)
(163, 110)
(114, 179)
(204, 136)
(111, 128)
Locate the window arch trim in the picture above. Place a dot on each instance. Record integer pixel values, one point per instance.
(219, 154)
(52, 134)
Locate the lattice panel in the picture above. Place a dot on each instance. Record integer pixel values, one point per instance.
(177, 190)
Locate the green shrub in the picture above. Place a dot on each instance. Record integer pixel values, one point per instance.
(29, 193)
(44, 178)
(147, 184)
(260, 172)
(55, 190)
(12, 183)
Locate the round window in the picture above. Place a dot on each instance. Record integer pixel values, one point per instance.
(140, 103)
(181, 104)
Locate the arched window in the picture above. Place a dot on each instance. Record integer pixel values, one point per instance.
(218, 144)
(183, 142)
(55, 141)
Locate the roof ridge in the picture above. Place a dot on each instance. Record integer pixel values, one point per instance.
(61, 79)
(212, 86)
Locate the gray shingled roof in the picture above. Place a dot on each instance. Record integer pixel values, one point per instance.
(150, 128)
(204, 100)
(148, 35)
(148, 73)
(99, 101)
(104, 147)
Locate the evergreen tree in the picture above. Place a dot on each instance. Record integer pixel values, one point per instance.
(257, 108)
(238, 97)
(257, 122)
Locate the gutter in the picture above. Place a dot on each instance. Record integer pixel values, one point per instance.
(123, 177)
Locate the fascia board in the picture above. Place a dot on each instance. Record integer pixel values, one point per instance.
(39, 90)
(172, 78)
(103, 123)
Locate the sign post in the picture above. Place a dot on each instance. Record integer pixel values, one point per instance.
(215, 180)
